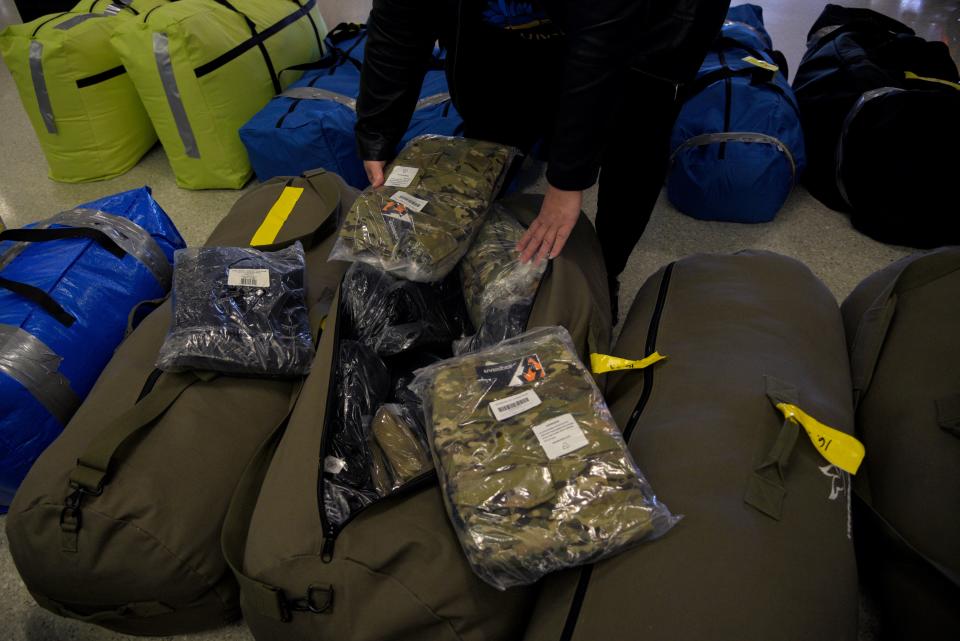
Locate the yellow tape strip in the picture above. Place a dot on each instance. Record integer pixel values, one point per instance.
(763, 64)
(278, 214)
(601, 363)
(838, 448)
(912, 76)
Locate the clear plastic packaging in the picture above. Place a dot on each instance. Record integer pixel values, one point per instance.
(352, 478)
(498, 289)
(238, 310)
(422, 221)
(400, 438)
(392, 315)
(535, 474)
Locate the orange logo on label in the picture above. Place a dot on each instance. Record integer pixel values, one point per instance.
(533, 369)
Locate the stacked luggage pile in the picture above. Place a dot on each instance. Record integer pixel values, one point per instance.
(358, 415)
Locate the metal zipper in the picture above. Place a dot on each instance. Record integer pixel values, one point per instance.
(651, 345)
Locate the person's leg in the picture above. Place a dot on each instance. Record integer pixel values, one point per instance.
(634, 166)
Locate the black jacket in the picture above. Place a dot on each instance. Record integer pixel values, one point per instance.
(578, 77)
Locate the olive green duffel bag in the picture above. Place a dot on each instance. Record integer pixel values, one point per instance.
(118, 523)
(394, 569)
(903, 328)
(764, 550)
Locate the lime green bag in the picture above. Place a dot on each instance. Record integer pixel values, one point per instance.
(204, 67)
(83, 106)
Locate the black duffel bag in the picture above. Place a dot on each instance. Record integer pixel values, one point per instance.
(879, 109)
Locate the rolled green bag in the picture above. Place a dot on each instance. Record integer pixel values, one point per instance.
(82, 104)
(396, 434)
(421, 222)
(535, 474)
(498, 289)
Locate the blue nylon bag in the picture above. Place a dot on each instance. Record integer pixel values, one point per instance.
(68, 286)
(737, 144)
(310, 125)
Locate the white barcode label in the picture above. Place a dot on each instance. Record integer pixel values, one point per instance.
(513, 405)
(333, 465)
(248, 278)
(401, 176)
(560, 435)
(412, 202)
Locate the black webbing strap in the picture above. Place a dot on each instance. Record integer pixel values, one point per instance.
(313, 25)
(40, 298)
(256, 40)
(32, 235)
(103, 76)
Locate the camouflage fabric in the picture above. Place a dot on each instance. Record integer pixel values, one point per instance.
(421, 230)
(539, 490)
(498, 289)
(398, 436)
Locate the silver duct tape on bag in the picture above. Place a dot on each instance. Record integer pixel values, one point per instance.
(40, 86)
(745, 25)
(820, 33)
(130, 236)
(738, 136)
(316, 93)
(75, 20)
(867, 96)
(27, 360)
(429, 101)
(161, 52)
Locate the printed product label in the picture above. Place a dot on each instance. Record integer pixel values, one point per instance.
(528, 369)
(408, 201)
(248, 278)
(512, 405)
(398, 220)
(560, 436)
(401, 176)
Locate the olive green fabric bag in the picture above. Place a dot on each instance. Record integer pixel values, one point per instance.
(764, 548)
(395, 570)
(903, 328)
(118, 523)
(81, 102)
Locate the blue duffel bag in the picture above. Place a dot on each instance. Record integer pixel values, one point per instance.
(310, 125)
(69, 287)
(737, 143)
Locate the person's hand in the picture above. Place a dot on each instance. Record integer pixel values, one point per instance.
(374, 169)
(549, 232)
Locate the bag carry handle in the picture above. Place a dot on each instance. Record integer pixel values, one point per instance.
(875, 324)
(41, 298)
(30, 235)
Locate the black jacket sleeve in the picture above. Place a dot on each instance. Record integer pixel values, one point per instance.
(400, 40)
(600, 36)
(664, 38)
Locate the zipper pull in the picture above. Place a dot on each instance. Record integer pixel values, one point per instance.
(326, 555)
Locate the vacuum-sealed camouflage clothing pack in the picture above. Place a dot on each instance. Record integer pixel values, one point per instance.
(391, 315)
(534, 471)
(400, 439)
(498, 289)
(419, 224)
(237, 310)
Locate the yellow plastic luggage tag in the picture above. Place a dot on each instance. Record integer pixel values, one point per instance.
(838, 448)
(763, 64)
(602, 363)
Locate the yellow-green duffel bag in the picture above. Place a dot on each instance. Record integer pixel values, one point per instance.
(83, 106)
(204, 67)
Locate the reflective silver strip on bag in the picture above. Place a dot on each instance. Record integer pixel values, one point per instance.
(857, 107)
(130, 236)
(820, 33)
(745, 25)
(75, 20)
(316, 93)
(429, 101)
(27, 360)
(161, 51)
(738, 136)
(40, 86)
